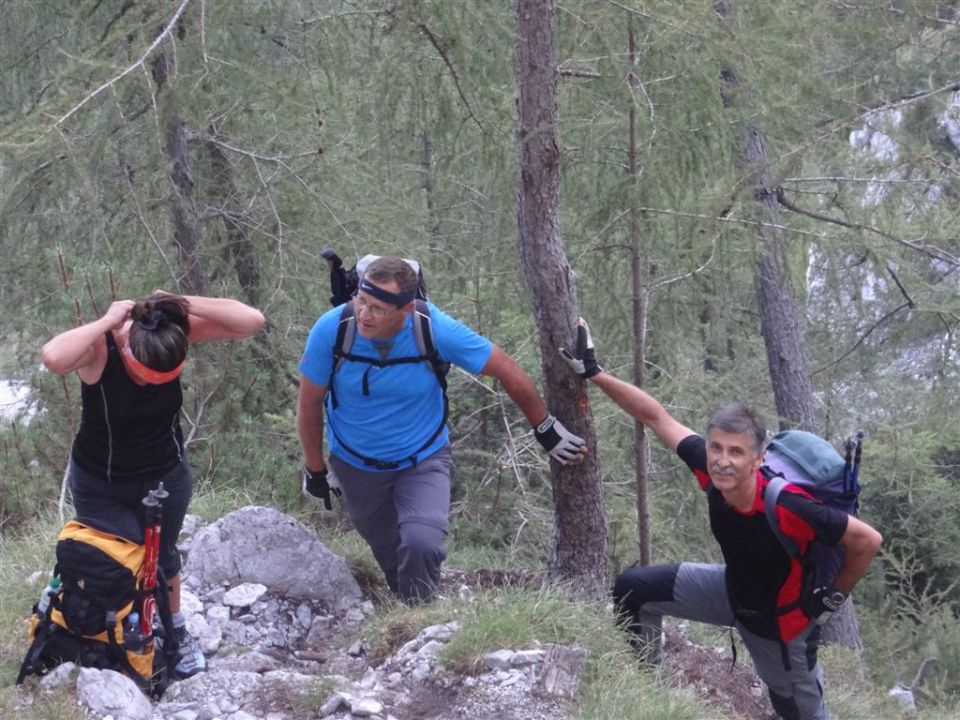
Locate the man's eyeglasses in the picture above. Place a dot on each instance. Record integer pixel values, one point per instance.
(377, 311)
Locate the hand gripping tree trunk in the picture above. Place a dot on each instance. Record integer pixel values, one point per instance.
(578, 555)
(781, 317)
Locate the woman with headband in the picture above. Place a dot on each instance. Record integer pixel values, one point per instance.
(129, 362)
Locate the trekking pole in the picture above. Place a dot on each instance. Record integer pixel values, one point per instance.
(848, 465)
(151, 542)
(855, 475)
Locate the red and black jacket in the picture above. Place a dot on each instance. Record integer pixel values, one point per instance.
(762, 579)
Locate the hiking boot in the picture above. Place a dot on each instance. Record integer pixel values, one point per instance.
(190, 659)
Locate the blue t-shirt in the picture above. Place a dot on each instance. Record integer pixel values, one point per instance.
(404, 406)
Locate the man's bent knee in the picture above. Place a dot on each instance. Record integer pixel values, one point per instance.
(638, 585)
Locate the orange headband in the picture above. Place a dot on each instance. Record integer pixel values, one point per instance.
(154, 377)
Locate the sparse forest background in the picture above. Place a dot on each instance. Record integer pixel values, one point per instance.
(217, 146)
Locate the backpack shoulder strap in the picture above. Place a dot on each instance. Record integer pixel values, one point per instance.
(775, 485)
(426, 345)
(346, 333)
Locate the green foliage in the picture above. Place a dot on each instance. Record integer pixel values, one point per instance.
(389, 129)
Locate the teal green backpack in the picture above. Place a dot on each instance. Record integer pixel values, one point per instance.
(810, 462)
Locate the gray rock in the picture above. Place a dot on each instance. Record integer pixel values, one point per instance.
(210, 639)
(498, 660)
(244, 595)
(527, 657)
(304, 616)
(358, 649)
(904, 696)
(562, 671)
(218, 614)
(58, 677)
(254, 661)
(336, 701)
(365, 707)
(106, 692)
(262, 545)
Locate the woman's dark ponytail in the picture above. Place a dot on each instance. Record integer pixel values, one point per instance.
(158, 335)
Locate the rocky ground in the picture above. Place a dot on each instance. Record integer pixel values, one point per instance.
(277, 652)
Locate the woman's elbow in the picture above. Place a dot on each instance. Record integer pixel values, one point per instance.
(52, 361)
(259, 320)
(876, 540)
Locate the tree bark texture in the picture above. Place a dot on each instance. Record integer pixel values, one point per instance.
(781, 321)
(186, 229)
(240, 249)
(639, 304)
(578, 555)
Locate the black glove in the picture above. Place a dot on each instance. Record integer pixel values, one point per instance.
(583, 359)
(315, 485)
(331, 257)
(562, 444)
(822, 602)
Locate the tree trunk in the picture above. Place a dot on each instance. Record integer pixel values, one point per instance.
(433, 222)
(578, 555)
(639, 303)
(240, 249)
(781, 319)
(186, 229)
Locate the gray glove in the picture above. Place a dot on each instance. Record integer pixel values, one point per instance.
(822, 603)
(583, 359)
(316, 486)
(562, 445)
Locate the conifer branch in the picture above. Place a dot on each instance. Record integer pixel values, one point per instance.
(127, 4)
(573, 72)
(278, 159)
(386, 10)
(453, 73)
(726, 218)
(863, 337)
(139, 63)
(929, 250)
(952, 86)
(903, 290)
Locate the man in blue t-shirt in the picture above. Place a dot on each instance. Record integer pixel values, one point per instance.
(386, 421)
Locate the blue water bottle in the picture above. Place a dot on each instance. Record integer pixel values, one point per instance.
(133, 637)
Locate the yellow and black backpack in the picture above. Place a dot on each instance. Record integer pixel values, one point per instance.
(92, 617)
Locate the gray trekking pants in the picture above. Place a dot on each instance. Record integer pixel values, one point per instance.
(403, 515)
(697, 591)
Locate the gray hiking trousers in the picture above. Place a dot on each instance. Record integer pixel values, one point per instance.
(697, 591)
(403, 515)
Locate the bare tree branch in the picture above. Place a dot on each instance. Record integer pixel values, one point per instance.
(573, 72)
(127, 4)
(903, 290)
(949, 87)
(168, 26)
(385, 10)
(453, 73)
(279, 159)
(863, 338)
(929, 250)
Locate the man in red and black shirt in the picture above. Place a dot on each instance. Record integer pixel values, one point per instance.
(758, 587)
